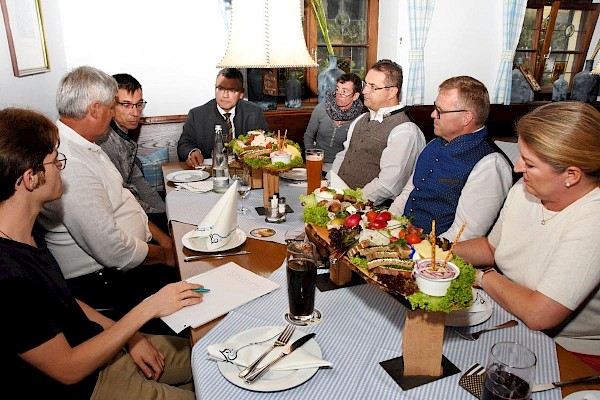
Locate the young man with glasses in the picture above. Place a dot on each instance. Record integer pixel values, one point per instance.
(330, 119)
(228, 109)
(122, 149)
(382, 145)
(54, 344)
(461, 176)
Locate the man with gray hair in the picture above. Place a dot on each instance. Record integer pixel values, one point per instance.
(110, 254)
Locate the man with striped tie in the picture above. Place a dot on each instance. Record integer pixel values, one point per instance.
(228, 109)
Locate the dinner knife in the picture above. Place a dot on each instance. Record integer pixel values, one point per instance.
(540, 387)
(218, 255)
(286, 351)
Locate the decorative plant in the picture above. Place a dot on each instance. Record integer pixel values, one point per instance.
(317, 6)
(596, 49)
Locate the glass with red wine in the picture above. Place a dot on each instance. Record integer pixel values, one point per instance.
(510, 372)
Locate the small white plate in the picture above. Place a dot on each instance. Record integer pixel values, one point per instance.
(272, 381)
(479, 312)
(295, 174)
(187, 176)
(199, 244)
(584, 395)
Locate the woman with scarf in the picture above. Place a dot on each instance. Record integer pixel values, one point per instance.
(330, 120)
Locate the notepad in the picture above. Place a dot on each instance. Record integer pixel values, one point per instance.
(230, 287)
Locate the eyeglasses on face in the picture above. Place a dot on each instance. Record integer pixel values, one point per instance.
(439, 111)
(128, 106)
(370, 87)
(59, 162)
(344, 93)
(229, 91)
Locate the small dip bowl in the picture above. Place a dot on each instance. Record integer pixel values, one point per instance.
(327, 194)
(434, 282)
(283, 157)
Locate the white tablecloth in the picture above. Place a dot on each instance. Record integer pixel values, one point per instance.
(361, 327)
(185, 206)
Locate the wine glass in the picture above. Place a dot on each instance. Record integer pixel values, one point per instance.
(243, 189)
(509, 373)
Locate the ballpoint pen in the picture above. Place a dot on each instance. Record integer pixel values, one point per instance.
(201, 290)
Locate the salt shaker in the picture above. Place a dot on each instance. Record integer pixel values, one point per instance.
(281, 209)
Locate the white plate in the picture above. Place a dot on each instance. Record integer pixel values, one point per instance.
(480, 311)
(272, 381)
(295, 174)
(187, 176)
(199, 244)
(584, 395)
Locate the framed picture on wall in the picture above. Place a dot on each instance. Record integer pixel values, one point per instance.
(26, 37)
(535, 86)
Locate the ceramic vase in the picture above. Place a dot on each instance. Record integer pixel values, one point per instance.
(520, 91)
(559, 89)
(585, 84)
(293, 92)
(327, 79)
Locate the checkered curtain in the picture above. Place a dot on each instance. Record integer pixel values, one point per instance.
(514, 13)
(419, 17)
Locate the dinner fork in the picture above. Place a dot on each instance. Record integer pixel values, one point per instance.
(475, 335)
(282, 340)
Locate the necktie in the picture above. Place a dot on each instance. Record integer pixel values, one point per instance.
(229, 127)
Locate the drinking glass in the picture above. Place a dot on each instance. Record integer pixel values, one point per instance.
(509, 373)
(243, 189)
(301, 270)
(314, 168)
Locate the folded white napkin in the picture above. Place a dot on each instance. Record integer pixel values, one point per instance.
(196, 187)
(243, 357)
(336, 182)
(220, 224)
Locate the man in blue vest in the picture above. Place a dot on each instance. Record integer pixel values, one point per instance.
(461, 176)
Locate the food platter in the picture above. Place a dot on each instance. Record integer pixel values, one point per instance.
(295, 174)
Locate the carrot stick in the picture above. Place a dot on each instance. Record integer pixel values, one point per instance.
(462, 228)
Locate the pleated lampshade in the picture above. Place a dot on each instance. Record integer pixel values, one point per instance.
(266, 34)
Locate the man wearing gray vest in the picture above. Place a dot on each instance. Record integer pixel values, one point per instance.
(382, 145)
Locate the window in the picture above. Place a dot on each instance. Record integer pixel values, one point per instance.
(555, 39)
(352, 26)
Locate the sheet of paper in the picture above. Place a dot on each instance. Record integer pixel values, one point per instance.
(230, 286)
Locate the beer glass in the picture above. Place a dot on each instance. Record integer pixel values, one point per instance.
(314, 167)
(301, 270)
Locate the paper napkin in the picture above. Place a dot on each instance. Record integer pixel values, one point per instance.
(298, 359)
(220, 224)
(336, 182)
(196, 187)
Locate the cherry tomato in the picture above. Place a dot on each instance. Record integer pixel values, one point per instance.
(377, 224)
(401, 234)
(384, 216)
(323, 188)
(412, 238)
(393, 239)
(352, 220)
(372, 215)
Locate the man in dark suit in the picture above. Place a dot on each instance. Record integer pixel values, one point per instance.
(228, 109)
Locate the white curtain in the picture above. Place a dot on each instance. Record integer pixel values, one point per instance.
(513, 15)
(419, 17)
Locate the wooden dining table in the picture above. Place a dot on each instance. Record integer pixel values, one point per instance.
(265, 257)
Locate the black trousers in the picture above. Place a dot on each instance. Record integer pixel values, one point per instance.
(114, 292)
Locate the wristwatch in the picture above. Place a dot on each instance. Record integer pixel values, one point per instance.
(481, 273)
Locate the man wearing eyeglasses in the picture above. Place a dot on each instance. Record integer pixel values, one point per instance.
(122, 149)
(110, 254)
(382, 145)
(461, 176)
(330, 119)
(228, 109)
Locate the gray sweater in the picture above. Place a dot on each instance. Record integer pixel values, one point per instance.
(322, 133)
